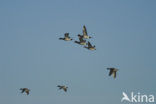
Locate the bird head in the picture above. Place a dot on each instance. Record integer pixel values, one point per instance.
(79, 35)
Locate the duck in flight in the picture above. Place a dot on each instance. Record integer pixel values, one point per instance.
(81, 40)
(66, 37)
(90, 47)
(26, 90)
(63, 87)
(112, 71)
(85, 34)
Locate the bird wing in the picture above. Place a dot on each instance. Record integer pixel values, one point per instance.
(114, 74)
(65, 89)
(27, 91)
(84, 30)
(89, 44)
(110, 72)
(22, 90)
(66, 35)
(111, 68)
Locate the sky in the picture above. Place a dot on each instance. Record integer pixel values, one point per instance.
(32, 56)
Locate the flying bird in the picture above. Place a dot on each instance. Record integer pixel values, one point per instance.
(63, 87)
(66, 37)
(26, 90)
(85, 34)
(81, 40)
(90, 47)
(112, 71)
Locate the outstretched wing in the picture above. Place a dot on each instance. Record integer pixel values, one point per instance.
(27, 91)
(84, 30)
(22, 90)
(65, 89)
(110, 72)
(66, 34)
(114, 74)
(89, 44)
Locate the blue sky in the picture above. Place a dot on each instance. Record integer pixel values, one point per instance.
(124, 32)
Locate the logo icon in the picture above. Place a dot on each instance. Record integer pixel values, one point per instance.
(137, 98)
(125, 97)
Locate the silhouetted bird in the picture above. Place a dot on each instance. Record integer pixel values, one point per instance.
(90, 47)
(26, 90)
(62, 87)
(66, 37)
(112, 71)
(81, 40)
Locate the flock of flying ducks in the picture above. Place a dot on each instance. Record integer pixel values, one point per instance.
(82, 41)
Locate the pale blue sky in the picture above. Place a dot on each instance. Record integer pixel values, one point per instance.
(124, 32)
